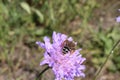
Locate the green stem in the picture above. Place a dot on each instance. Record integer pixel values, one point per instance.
(98, 72)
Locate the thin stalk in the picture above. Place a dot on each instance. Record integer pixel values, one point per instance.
(38, 77)
(98, 72)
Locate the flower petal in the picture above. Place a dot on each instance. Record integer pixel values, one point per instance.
(118, 19)
(40, 44)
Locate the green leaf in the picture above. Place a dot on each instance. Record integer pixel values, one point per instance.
(26, 7)
(39, 31)
(39, 14)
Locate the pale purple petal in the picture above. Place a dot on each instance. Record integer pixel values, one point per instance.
(54, 37)
(48, 45)
(118, 19)
(40, 44)
(70, 39)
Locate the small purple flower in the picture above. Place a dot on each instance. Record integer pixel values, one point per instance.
(118, 19)
(65, 66)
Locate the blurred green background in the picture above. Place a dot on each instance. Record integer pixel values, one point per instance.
(90, 22)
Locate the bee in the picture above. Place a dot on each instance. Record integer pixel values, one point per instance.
(68, 46)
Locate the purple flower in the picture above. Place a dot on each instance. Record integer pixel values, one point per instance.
(62, 57)
(118, 19)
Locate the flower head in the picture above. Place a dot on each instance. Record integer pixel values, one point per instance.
(62, 57)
